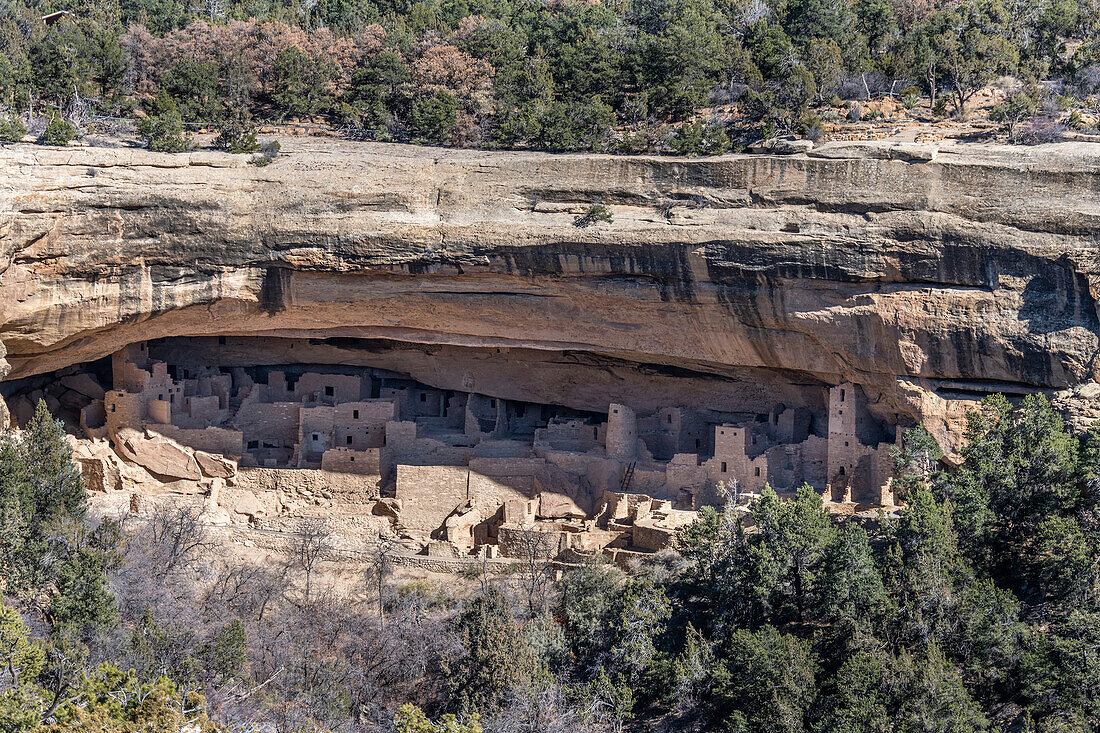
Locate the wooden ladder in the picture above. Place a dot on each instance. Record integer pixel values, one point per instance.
(628, 477)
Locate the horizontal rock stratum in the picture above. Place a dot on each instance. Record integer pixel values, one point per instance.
(923, 275)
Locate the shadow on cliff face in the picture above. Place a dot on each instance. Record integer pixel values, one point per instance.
(1057, 298)
(274, 290)
(667, 266)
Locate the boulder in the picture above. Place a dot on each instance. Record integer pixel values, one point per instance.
(100, 466)
(247, 504)
(157, 454)
(85, 384)
(215, 466)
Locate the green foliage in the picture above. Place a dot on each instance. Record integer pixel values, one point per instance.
(302, 82)
(237, 135)
(12, 129)
(112, 701)
(779, 576)
(57, 132)
(225, 656)
(1020, 467)
(495, 658)
(162, 129)
(432, 118)
(22, 659)
(764, 683)
(411, 719)
(700, 138)
(595, 214)
(1060, 674)
(194, 86)
(589, 602)
(969, 46)
(916, 459)
(645, 610)
(49, 556)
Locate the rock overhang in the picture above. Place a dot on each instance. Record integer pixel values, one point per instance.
(897, 272)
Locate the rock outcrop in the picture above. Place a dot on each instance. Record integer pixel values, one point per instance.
(926, 276)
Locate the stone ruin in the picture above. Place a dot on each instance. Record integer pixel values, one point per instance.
(455, 474)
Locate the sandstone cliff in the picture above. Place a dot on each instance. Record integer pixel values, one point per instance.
(923, 275)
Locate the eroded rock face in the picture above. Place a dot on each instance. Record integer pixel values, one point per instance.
(924, 276)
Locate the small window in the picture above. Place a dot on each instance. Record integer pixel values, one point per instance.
(521, 411)
(423, 397)
(290, 386)
(670, 419)
(353, 459)
(696, 442)
(754, 440)
(842, 470)
(316, 436)
(253, 444)
(723, 466)
(846, 444)
(349, 440)
(840, 412)
(595, 433)
(614, 412)
(758, 471)
(114, 408)
(841, 395)
(355, 414)
(492, 403)
(221, 340)
(329, 391)
(172, 398)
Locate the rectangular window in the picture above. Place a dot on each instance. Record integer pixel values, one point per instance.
(221, 340)
(114, 408)
(355, 414)
(329, 391)
(670, 419)
(841, 395)
(723, 466)
(316, 436)
(757, 470)
(423, 397)
(349, 440)
(253, 444)
(493, 404)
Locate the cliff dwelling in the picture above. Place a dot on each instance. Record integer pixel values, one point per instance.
(271, 430)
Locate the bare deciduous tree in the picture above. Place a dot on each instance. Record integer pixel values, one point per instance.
(314, 540)
(381, 567)
(536, 550)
